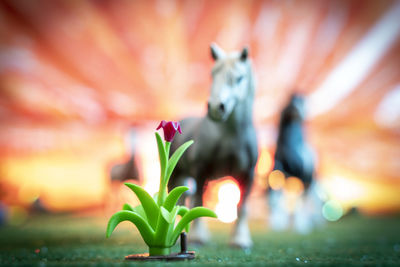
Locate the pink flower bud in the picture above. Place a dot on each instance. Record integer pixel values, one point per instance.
(170, 128)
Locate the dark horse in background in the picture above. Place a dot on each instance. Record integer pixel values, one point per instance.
(224, 140)
(293, 157)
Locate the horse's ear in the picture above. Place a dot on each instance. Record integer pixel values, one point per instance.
(216, 51)
(244, 54)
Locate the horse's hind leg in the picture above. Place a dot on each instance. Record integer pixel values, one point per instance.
(199, 233)
(307, 213)
(241, 235)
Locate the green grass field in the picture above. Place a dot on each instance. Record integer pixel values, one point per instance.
(73, 241)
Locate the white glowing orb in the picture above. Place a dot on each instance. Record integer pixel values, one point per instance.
(346, 190)
(229, 193)
(228, 198)
(226, 213)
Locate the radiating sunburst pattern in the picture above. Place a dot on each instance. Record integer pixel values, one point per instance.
(75, 75)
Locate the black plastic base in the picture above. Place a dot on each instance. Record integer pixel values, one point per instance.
(189, 255)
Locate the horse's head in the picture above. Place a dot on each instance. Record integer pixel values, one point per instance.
(295, 110)
(231, 76)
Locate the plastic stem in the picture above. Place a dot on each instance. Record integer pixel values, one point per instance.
(163, 185)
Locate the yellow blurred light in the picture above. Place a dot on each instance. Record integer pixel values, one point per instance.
(294, 186)
(264, 162)
(276, 180)
(70, 176)
(60, 178)
(344, 190)
(27, 194)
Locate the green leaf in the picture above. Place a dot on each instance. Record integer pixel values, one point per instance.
(167, 148)
(165, 226)
(149, 206)
(126, 206)
(173, 197)
(169, 216)
(175, 158)
(155, 197)
(144, 228)
(190, 216)
(166, 214)
(162, 154)
(182, 210)
(139, 210)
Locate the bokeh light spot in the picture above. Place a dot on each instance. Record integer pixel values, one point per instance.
(226, 213)
(332, 210)
(294, 186)
(264, 162)
(276, 180)
(229, 193)
(228, 199)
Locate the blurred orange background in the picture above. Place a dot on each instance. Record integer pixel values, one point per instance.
(75, 76)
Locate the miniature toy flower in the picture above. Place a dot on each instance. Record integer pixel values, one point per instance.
(155, 216)
(170, 128)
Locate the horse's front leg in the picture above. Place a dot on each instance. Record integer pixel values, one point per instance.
(199, 233)
(241, 234)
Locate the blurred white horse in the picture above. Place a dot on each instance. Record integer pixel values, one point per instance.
(225, 140)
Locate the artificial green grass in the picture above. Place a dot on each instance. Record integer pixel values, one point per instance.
(73, 241)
